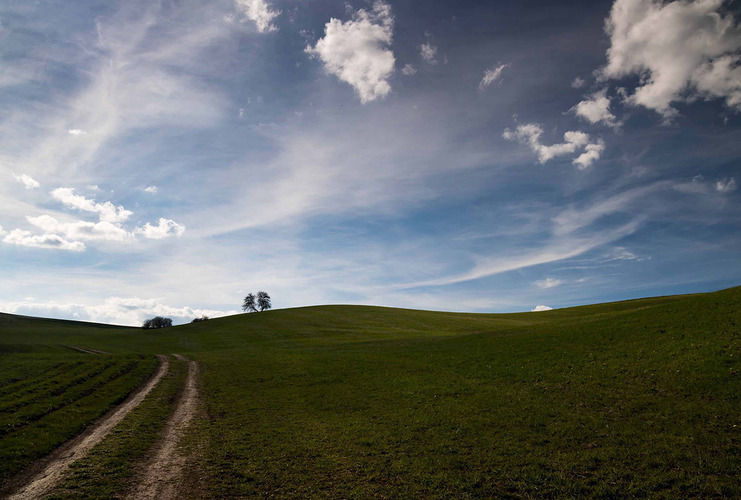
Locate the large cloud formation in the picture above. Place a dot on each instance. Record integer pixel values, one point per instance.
(358, 51)
(70, 235)
(682, 51)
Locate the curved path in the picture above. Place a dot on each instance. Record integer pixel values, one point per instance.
(54, 467)
(164, 471)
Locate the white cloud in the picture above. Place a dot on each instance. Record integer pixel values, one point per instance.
(24, 238)
(81, 230)
(259, 11)
(540, 308)
(358, 52)
(150, 189)
(530, 133)
(596, 109)
(698, 185)
(409, 70)
(726, 185)
(428, 53)
(492, 75)
(106, 211)
(129, 311)
(681, 50)
(165, 228)
(591, 153)
(620, 253)
(76, 131)
(28, 181)
(578, 83)
(548, 283)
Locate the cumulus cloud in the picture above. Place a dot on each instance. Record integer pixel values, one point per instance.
(596, 109)
(548, 283)
(428, 53)
(681, 50)
(129, 311)
(726, 185)
(165, 228)
(260, 13)
(540, 308)
(27, 181)
(24, 238)
(409, 70)
(150, 189)
(106, 211)
(76, 131)
(529, 133)
(492, 75)
(81, 230)
(591, 154)
(358, 51)
(69, 235)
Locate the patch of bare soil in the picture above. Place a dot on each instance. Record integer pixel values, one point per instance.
(163, 474)
(47, 473)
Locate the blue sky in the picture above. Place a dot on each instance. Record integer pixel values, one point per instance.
(168, 157)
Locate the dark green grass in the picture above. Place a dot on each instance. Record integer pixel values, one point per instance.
(110, 469)
(635, 403)
(46, 399)
(632, 399)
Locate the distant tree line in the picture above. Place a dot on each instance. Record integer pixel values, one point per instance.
(157, 322)
(255, 303)
(198, 320)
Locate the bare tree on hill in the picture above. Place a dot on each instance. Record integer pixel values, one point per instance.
(253, 303)
(250, 303)
(263, 301)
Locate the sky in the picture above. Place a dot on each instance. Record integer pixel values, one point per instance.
(169, 157)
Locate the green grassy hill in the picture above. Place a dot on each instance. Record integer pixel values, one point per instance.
(636, 398)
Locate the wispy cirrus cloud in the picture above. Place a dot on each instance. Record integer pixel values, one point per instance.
(549, 282)
(492, 75)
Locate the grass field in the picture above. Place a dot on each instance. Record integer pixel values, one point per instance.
(49, 396)
(632, 399)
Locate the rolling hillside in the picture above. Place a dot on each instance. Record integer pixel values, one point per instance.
(636, 398)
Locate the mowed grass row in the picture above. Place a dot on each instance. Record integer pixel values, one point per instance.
(641, 402)
(55, 405)
(111, 468)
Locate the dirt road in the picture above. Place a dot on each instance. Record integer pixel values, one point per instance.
(164, 471)
(52, 469)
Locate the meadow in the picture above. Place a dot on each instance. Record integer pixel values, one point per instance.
(631, 399)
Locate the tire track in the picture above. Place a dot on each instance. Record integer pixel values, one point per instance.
(50, 471)
(163, 472)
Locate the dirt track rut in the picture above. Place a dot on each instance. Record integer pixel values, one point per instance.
(164, 471)
(55, 467)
